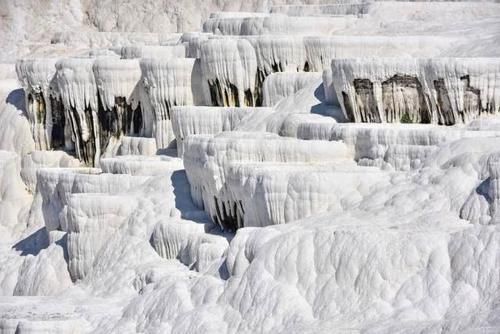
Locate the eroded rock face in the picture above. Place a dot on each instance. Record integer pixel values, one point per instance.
(119, 100)
(78, 90)
(207, 161)
(188, 121)
(277, 54)
(169, 83)
(403, 100)
(316, 213)
(443, 91)
(85, 105)
(230, 68)
(472, 99)
(445, 110)
(43, 104)
(365, 99)
(121, 120)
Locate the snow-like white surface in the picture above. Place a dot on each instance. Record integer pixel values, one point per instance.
(187, 121)
(169, 83)
(277, 86)
(38, 80)
(241, 167)
(153, 51)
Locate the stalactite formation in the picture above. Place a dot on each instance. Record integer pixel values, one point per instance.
(78, 90)
(43, 103)
(443, 91)
(168, 83)
(402, 95)
(317, 168)
(230, 68)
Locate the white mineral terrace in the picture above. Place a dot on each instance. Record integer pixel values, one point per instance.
(229, 166)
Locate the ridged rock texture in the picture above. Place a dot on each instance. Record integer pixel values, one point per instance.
(275, 167)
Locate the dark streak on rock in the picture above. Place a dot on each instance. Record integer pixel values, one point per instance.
(58, 123)
(445, 110)
(365, 100)
(413, 104)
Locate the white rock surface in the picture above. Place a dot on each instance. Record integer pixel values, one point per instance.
(43, 104)
(78, 90)
(169, 83)
(187, 121)
(437, 90)
(277, 86)
(252, 177)
(230, 67)
(207, 158)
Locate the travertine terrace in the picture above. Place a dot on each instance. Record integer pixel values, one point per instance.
(256, 166)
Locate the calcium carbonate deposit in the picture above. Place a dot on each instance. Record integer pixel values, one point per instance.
(261, 166)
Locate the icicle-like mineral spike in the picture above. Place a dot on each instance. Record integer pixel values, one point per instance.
(277, 24)
(117, 78)
(119, 86)
(435, 90)
(168, 83)
(43, 106)
(270, 193)
(320, 50)
(193, 41)
(278, 53)
(230, 67)
(78, 90)
(206, 160)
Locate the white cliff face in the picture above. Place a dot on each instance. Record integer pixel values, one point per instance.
(43, 106)
(333, 189)
(120, 90)
(169, 83)
(446, 91)
(88, 106)
(230, 68)
(207, 159)
(277, 24)
(187, 121)
(277, 53)
(320, 50)
(117, 79)
(188, 242)
(90, 220)
(308, 168)
(78, 90)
